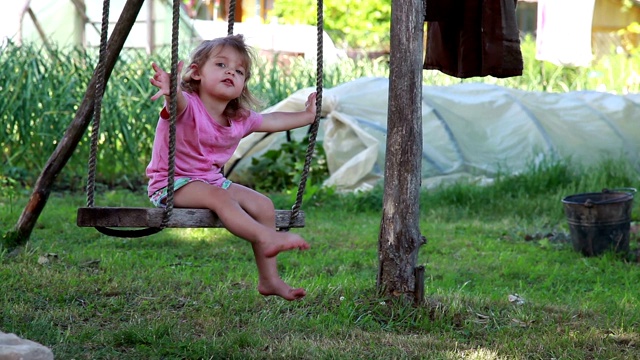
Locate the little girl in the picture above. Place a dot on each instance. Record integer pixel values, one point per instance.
(214, 114)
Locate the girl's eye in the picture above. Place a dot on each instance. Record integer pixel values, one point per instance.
(222, 65)
(240, 72)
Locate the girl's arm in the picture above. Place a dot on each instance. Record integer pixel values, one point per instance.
(162, 80)
(281, 121)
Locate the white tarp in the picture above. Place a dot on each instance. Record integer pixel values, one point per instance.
(470, 129)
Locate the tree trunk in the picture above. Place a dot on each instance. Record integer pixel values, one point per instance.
(74, 132)
(400, 237)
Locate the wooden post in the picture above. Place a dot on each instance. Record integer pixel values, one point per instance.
(151, 28)
(74, 132)
(400, 237)
(82, 11)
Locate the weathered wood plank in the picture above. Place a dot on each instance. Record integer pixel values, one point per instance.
(134, 217)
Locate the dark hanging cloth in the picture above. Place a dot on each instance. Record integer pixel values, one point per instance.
(467, 38)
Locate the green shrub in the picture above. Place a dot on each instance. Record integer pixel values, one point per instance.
(281, 169)
(355, 24)
(551, 179)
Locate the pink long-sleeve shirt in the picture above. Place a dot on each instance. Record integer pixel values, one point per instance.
(202, 145)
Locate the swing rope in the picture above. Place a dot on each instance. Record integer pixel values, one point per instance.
(231, 17)
(173, 110)
(95, 129)
(313, 130)
(97, 106)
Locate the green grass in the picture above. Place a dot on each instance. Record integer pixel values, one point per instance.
(190, 294)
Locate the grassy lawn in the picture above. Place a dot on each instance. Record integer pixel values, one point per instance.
(502, 279)
(191, 293)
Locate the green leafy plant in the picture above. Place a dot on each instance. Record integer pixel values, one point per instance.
(356, 24)
(629, 36)
(281, 169)
(8, 190)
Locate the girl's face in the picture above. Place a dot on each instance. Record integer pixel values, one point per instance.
(222, 76)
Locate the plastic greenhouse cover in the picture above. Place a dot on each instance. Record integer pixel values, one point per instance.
(471, 130)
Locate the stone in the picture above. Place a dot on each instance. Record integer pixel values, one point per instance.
(14, 348)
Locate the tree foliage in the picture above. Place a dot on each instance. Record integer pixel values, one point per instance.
(352, 24)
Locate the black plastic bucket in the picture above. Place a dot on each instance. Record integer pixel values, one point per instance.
(599, 222)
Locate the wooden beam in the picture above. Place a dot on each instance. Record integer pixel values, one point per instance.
(135, 217)
(151, 28)
(82, 11)
(43, 35)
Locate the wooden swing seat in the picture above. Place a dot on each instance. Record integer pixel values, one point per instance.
(140, 217)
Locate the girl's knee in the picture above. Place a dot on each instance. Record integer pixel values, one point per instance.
(262, 209)
(265, 203)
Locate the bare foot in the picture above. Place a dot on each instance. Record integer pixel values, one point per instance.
(284, 241)
(280, 288)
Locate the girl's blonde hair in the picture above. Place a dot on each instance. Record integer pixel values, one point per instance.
(246, 101)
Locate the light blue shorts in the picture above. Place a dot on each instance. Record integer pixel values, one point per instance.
(158, 197)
